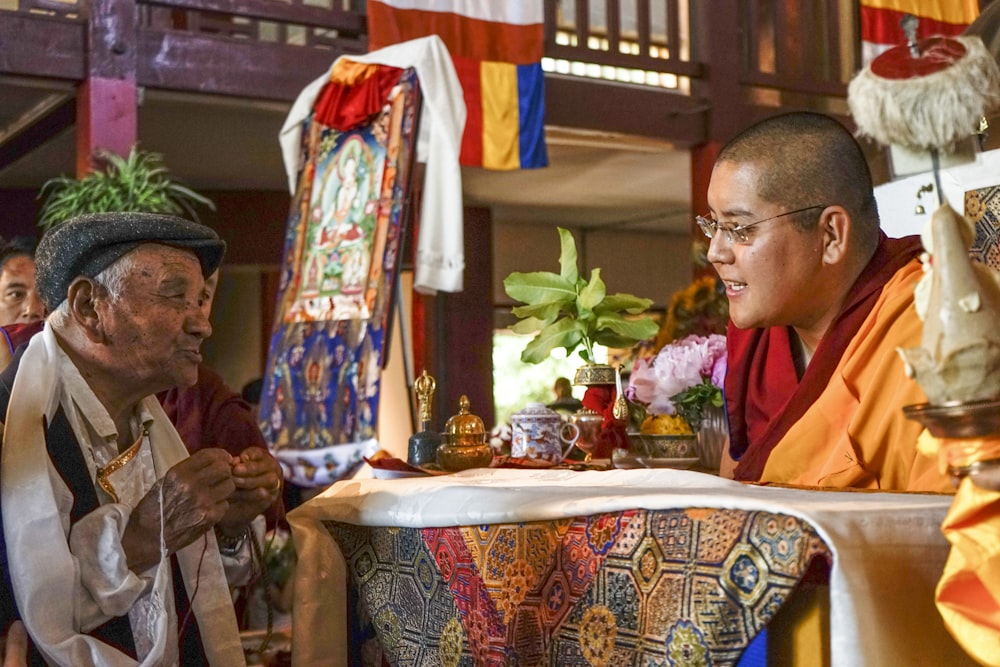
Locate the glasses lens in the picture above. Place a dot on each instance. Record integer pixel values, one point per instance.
(708, 227)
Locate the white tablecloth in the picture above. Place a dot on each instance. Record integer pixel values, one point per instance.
(888, 548)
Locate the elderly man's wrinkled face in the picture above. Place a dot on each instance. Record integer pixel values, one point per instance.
(155, 330)
(19, 302)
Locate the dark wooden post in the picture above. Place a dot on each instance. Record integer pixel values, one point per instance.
(719, 42)
(107, 100)
(458, 329)
(702, 160)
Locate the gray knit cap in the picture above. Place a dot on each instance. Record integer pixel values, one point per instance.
(88, 244)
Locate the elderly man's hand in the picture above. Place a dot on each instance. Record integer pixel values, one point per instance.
(15, 650)
(196, 495)
(257, 476)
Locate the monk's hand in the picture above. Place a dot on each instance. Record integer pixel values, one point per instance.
(196, 496)
(257, 476)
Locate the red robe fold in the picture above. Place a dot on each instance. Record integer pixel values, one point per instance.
(764, 396)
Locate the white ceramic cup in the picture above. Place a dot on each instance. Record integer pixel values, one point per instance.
(541, 434)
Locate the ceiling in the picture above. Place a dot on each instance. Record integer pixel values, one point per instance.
(219, 143)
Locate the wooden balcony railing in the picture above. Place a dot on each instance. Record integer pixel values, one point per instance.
(695, 54)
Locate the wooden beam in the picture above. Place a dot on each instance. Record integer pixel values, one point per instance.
(37, 132)
(626, 109)
(296, 13)
(207, 64)
(41, 46)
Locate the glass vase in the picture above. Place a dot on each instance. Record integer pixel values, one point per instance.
(713, 437)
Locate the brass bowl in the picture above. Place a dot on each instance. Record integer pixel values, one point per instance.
(973, 419)
(593, 374)
(455, 457)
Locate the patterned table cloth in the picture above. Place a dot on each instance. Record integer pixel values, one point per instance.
(644, 587)
(620, 567)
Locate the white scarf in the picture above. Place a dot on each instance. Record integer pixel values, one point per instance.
(43, 573)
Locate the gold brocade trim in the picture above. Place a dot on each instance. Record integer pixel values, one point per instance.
(118, 463)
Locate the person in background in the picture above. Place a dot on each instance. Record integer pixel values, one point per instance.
(19, 302)
(251, 394)
(21, 309)
(819, 301)
(565, 402)
(120, 532)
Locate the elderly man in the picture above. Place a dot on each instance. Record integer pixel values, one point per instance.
(819, 300)
(117, 542)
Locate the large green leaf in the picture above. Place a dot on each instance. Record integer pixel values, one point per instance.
(547, 312)
(539, 287)
(529, 325)
(564, 333)
(593, 293)
(567, 256)
(613, 340)
(636, 329)
(616, 303)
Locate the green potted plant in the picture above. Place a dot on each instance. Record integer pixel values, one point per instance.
(139, 183)
(568, 311)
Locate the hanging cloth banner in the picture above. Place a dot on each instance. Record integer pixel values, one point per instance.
(881, 28)
(497, 49)
(319, 406)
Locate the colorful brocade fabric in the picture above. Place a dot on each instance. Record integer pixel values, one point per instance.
(666, 587)
(982, 206)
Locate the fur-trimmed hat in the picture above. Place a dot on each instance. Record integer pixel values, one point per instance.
(926, 95)
(88, 244)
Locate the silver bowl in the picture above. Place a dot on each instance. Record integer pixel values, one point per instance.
(663, 446)
(972, 419)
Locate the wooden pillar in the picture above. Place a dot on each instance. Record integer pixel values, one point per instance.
(718, 36)
(107, 100)
(702, 160)
(457, 330)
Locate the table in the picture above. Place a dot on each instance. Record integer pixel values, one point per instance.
(611, 567)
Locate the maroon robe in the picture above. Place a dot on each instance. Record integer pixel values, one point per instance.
(764, 395)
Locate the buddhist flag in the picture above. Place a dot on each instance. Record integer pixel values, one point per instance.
(496, 46)
(881, 29)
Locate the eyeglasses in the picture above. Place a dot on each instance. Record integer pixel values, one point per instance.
(738, 233)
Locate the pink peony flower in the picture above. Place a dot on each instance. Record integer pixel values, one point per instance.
(678, 367)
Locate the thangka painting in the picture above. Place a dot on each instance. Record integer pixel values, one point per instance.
(319, 406)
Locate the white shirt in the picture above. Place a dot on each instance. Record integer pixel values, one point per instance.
(105, 587)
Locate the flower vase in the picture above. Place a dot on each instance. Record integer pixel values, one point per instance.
(713, 437)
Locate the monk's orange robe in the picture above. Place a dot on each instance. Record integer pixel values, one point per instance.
(855, 435)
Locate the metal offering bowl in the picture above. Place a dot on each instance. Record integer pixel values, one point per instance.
(972, 419)
(663, 446)
(594, 374)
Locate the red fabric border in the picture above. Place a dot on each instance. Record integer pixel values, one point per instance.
(882, 26)
(464, 36)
